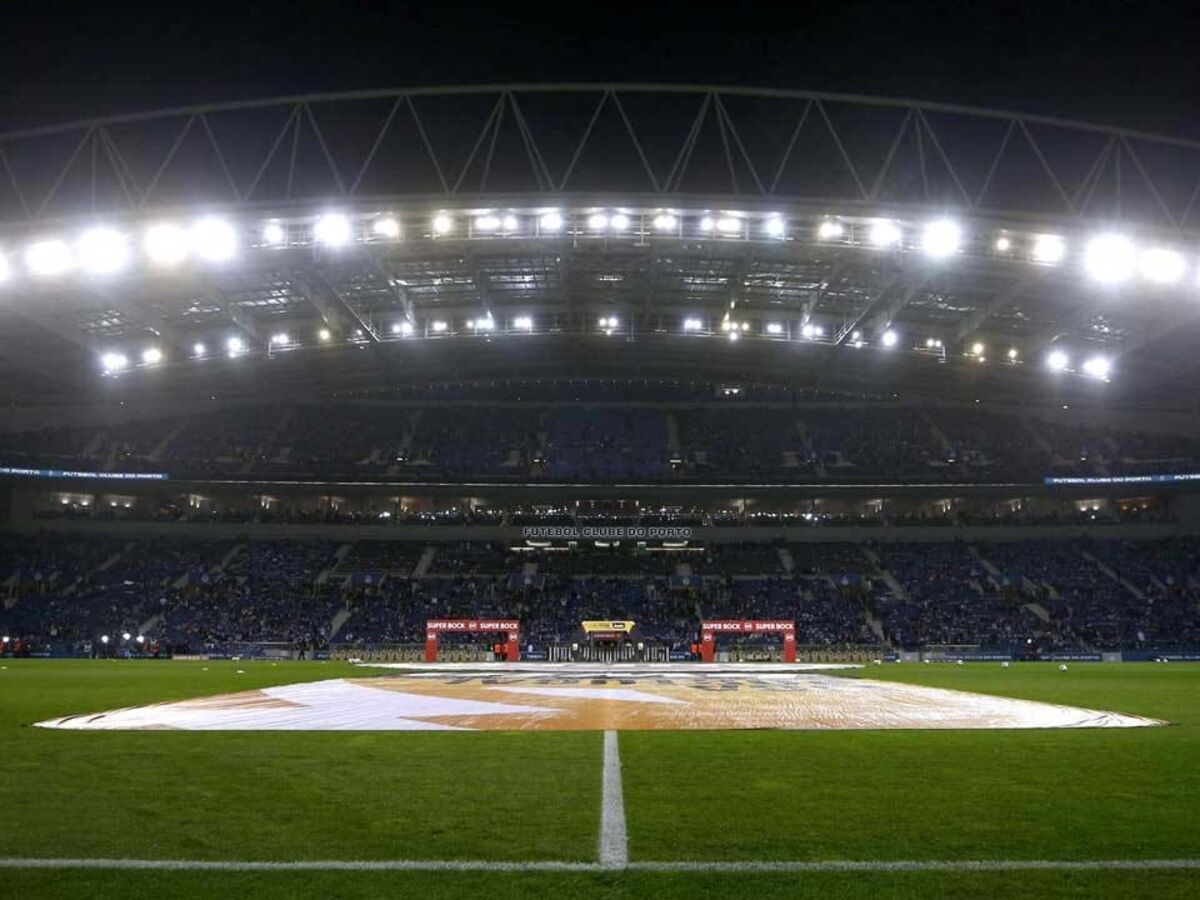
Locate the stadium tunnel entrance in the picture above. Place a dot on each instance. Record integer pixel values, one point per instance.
(507, 651)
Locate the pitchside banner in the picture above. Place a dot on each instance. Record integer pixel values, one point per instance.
(510, 628)
(608, 532)
(710, 630)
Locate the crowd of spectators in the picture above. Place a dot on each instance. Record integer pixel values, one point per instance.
(197, 596)
(560, 433)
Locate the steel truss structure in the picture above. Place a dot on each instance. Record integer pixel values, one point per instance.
(578, 149)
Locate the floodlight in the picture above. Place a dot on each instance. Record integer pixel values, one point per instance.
(281, 339)
(1013, 353)
(524, 323)
(729, 225)
(692, 324)
(707, 223)
(213, 239)
(152, 356)
(1097, 367)
(941, 238)
(977, 348)
(165, 244)
(734, 334)
(49, 257)
(5, 268)
(387, 227)
(1110, 258)
(1057, 360)
(774, 226)
(597, 221)
(324, 334)
(1049, 249)
(856, 339)
(1003, 244)
(830, 229)
(510, 223)
(333, 230)
(808, 330)
(199, 350)
(484, 323)
(774, 328)
(114, 362)
(235, 345)
(619, 222)
(551, 221)
(890, 338)
(665, 222)
(274, 234)
(442, 224)
(487, 222)
(885, 233)
(1161, 265)
(439, 326)
(102, 251)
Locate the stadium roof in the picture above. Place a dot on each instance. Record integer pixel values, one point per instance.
(384, 236)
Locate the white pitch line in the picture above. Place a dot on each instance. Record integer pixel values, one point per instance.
(477, 865)
(614, 839)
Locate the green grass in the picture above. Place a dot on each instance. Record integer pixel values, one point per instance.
(747, 795)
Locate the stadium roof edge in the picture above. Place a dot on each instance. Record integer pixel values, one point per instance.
(601, 87)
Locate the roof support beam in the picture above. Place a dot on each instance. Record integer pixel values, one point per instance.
(997, 304)
(331, 305)
(872, 306)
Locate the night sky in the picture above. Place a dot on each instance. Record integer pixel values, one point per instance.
(1131, 63)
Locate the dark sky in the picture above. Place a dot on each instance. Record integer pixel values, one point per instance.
(1127, 63)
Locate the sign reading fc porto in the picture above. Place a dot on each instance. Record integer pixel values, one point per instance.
(607, 532)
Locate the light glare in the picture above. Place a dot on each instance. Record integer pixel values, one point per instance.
(1097, 367)
(166, 244)
(941, 238)
(1110, 258)
(885, 233)
(1057, 360)
(52, 257)
(1162, 266)
(103, 251)
(274, 234)
(1049, 249)
(890, 338)
(551, 221)
(213, 240)
(830, 229)
(386, 227)
(333, 230)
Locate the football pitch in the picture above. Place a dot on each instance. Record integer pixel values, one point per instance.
(1047, 812)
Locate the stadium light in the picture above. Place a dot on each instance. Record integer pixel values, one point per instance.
(618, 222)
(274, 234)
(774, 328)
(941, 238)
(487, 223)
(885, 233)
(523, 323)
(1013, 354)
(811, 331)
(1110, 258)
(213, 240)
(5, 268)
(440, 326)
(280, 340)
(387, 228)
(977, 349)
(729, 225)
(890, 338)
(484, 323)
(597, 221)
(1161, 266)
(1057, 360)
(856, 340)
(324, 334)
(707, 223)
(104, 638)
(333, 230)
(510, 223)
(1048, 249)
(166, 244)
(1097, 367)
(551, 221)
(198, 350)
(114, 362)
(665, 222)
(1003, 244)
(692, 324)
(734, 334)
(50, 257)
(152, 356)
(102, 251)
(774, 226)
(830, 229)
(442, 224)
(404, 329)
(125, 635)
(235, 346)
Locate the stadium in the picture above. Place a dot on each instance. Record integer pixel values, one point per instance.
(790, 491)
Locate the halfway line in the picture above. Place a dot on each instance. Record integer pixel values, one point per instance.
(614, 840)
